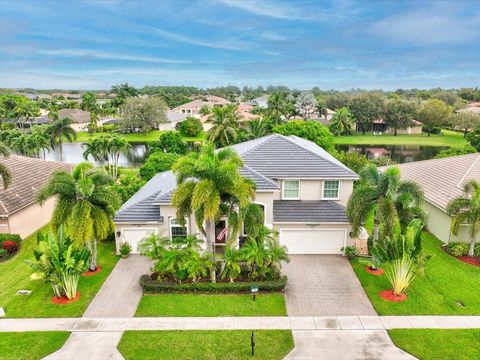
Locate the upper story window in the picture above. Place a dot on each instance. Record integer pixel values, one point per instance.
(291, 189)
(177, 230)
(331, 189)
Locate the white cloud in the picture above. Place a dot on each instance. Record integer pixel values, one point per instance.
(98, 54)
(230, 44)
(428, 27)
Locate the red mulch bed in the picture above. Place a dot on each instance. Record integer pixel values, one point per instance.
(475, 260)
(389, 295)
(376, 272)
(64, 300)
(91, 273)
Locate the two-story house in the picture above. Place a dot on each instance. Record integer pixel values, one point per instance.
(302, 189)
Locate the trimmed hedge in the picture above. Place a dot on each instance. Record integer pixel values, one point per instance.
(150, 286)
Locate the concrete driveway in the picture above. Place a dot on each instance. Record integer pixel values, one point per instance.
(324, 285)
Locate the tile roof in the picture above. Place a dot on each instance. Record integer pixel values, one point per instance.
(28, 176)
(143, 211)
(281, 157)
(308, 211)
(442, 179)
(77, 115)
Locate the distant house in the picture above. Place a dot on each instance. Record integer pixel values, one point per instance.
(473, 107)
(261, 102)
(379, 127)
(19, 212)
(193, 107)
(442, 180)
(80, 118)
(173, 118)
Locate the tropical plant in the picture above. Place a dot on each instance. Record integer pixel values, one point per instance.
(350, 252)
(143, 114)
(125, 249)
(456, 151)
(170, 142)
(311, 130)
(256, 128)
(353, 160)
(466, 210)
(107, 149)
(341, 122)
(279, 107)
(157, 162)
(232, 259)
(85, 206)
(59, 262)
(385, 197)
(209, 185)
(154, 246)
(224, 122)
(401, 274)
(473, 138)
(128, 184)
(5, 174)
(59, 130)
(190, 126)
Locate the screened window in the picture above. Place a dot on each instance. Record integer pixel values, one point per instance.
(330, 189)
(177, 230)
(291, 189)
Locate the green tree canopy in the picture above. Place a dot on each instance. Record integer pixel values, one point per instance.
(433, 113)
(399, 114)
(157, 162)
(366, 108)
(143, 113)
(311, 130)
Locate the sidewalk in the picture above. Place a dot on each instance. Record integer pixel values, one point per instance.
(239, 323)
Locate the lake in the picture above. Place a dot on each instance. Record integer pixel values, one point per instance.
(398, 153)
(135, 157)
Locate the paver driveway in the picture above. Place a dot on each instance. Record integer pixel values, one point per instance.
(324, 285)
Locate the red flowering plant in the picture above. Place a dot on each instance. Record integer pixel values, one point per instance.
(10, 246)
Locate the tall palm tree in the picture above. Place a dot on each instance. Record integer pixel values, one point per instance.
(41, 139)
(5, 174)
(60, 129)
(342, 122)
(86, 204)
(277, 106)
(225, 124)
(209, 186)
(107, 149)
(384, 196)
(466, 210)
(255, 128)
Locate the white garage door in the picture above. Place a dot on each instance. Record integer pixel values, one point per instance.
(306, 241)
(134, 236)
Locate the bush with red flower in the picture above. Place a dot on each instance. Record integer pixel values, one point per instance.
(9, 245)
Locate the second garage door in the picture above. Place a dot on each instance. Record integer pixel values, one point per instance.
(134, 236)
(306, 241)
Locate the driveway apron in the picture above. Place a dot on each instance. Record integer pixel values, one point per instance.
(324, 285)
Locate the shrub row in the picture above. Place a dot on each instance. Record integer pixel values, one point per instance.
(461, 249)
(150, 286)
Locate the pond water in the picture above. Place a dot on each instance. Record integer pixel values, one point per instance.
(398, 153)
(72, 153)
(135, 157)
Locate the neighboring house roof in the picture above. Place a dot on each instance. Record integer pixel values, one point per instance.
(442, 179)
(28, 177)
(78, 116)
(308, 211)
(175, 117)
(195, 104)
(213, 99)
(265, 160)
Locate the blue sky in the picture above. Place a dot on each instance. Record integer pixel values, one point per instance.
(206, 43)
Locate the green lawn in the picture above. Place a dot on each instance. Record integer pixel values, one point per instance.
(83, 136)
(212, 305)
(446, 282)
(433, 344)
(15, 275)
(30, 345)
(195, 345)
(448, 138)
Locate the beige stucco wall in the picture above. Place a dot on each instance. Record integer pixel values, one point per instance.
(28, 220)
(413, 130)
(439, 225)
(313, 190)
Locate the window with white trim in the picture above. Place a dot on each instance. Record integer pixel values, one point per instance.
(177, 230)
(330, 189)
(291, 189)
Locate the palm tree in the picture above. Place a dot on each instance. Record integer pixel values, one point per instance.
(209, 186)
(383, 196)
(107, 149)
(342, 122)
(466, 210)
(278, 107)
(255, 129)
(225, 124)
(41, 139)
(5, 174)
(60, 129)
(86, 204)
